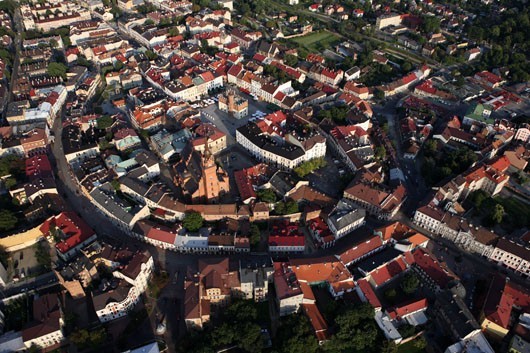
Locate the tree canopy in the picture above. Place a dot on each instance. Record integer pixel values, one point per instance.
(283, 208)
(437, 168)
(235, 326)
(57, 70)
(410, 283)
(192, 221)
(8, 220)
(267, 195)
(337, 114)
(356, 330)
(290, 60)
(308, 167)
(84, 339)
(12, 165)
(296, 335)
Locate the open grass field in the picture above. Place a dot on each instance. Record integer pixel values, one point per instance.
(317, 41)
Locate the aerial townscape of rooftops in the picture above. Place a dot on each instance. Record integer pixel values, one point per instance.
(282, 176)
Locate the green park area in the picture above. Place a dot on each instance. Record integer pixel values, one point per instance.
(317, 41)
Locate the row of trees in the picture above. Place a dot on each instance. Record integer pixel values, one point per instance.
(308, 167)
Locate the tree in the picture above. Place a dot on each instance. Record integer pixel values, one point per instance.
(57, 70)
(296, 335)
(16, 314)
(430, 24)
(356, 330)
(497, 214)
(104, 122)
(8, 220)
(267, 195)
(193, 221)
(84, 339)
(406, 330)
(42, 255)
(430, 148)
(290, 60)
(116, 185)
(53, 43)
(478, 197)
(379, 94)
(4, 256)
(410, 283)
(406, 67)
(118, 65)
(420, 343)
(151, 55)
(390, 294)
(10, 182)
(283, 208)
(11, 165)
(308, 167)
(173, 31)
(389, 347)
(380, 153)
(255, 236)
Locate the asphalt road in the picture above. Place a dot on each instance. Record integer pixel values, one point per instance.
(31, 284)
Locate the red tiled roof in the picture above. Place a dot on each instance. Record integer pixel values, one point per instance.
(259, 57)
(488, 76)
(38, 167)
(429, 264)
(388, 271)
(360, 249)
(162, 234)
(73, 227)
(317, 321)
(369, 293)
(235, 70)
(286, 240)
(407, 309)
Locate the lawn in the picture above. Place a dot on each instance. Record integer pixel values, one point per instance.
(409, 347)
(317, 41)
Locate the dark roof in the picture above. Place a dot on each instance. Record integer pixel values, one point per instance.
(133, 268)
(117, 295)
(253, 133)
(75, 140)
(513, 248)
(378, 259)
